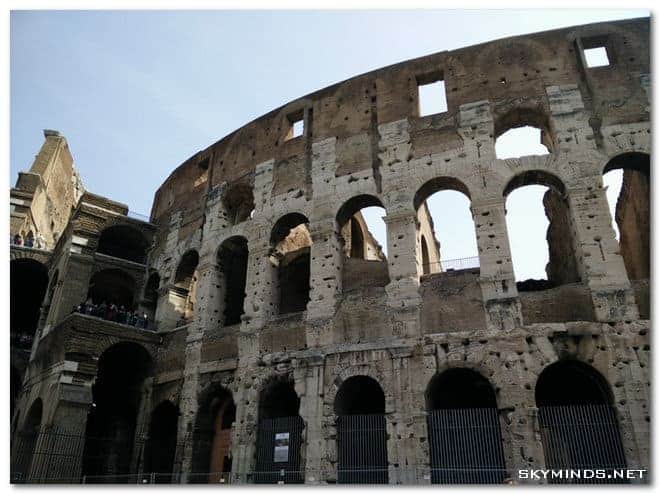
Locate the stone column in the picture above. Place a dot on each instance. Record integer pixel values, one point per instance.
(403, 266)
(325, 270)
(597, 252)
(310, 386)
(244, 434)
(142, 423)
(497, 280)
(260, 281)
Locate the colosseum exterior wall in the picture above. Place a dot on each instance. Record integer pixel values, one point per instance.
(363, 138)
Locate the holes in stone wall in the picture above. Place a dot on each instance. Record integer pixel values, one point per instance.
(596, 57)
(295, 125)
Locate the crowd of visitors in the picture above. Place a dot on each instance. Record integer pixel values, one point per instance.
(113, 312)
(30, 241)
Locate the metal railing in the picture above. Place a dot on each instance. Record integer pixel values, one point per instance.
(453, 264)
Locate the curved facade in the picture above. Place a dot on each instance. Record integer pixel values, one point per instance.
(279, 325)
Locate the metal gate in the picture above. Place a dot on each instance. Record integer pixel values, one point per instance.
(279, 451)
(46, 455)
(362, 449)
(466, 446)
(582, 437)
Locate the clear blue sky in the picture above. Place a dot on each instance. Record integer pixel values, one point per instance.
(137, 92)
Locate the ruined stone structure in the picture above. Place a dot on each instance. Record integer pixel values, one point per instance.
(283, 345)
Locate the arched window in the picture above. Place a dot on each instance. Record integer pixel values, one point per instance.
(111, 422)
(162, 443)
(185, 283)
(212, 444)
(233, 264)
(628, 179)
(23, 450)
(362, 234)
(445, 228)
(290, 257)
(112, 286)
(578, 424)
(464, 429)
(239, 203)
(279, 434)
(522, 132)
(123, 241)
(362, 450)
(540, 232)
(28, 280)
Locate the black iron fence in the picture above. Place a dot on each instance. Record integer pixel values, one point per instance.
(582, 437)
(279, 451)
(362, 450)
(466, 446)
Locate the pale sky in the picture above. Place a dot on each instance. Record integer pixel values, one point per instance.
(137, 92)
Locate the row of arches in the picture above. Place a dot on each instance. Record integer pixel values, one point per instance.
(577, 424)
(291, 240)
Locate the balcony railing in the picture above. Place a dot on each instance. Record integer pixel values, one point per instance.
(453, 264)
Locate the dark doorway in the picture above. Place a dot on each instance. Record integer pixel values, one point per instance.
(361, 432)
(159, 458)
(578, 424)
(122, 241)
(279, 435)
(28, 281)
(233, 262)
(465, 443)
(111, 422)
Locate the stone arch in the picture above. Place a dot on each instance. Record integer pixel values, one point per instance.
(123, 241)
(290, 259)
(462, 410)
(579, 427)
(232, 259)
(632, 211)
(279, 433)
(360, 406)
(562, 266)
(24, 450)
(531, 115)
(28, 280)
(212, 437)
(112, 286)
(162, 441)
(117, 396)
(185, 283)
(429, 245)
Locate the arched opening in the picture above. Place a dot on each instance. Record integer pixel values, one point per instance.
(522, 132)
(239, 203)
(233, 263)
(362, 233)
(185, 284)
(212, 444)
(540, 232)
(111, 421)
(112, 286)
(628, 180)
(24, 449)
(362, 451)
(279, 434)
(445, 228)
(150, 300)
(464, 429)
(162, 443)
(290, 257)
(578, 425)
(28, 280)
(123, 241)
(28, 283)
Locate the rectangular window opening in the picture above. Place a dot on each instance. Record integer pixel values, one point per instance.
(432, 98)
(204, 164)
(296, 125)
(596, 57)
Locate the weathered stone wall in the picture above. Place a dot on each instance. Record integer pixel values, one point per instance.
(364, 137)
